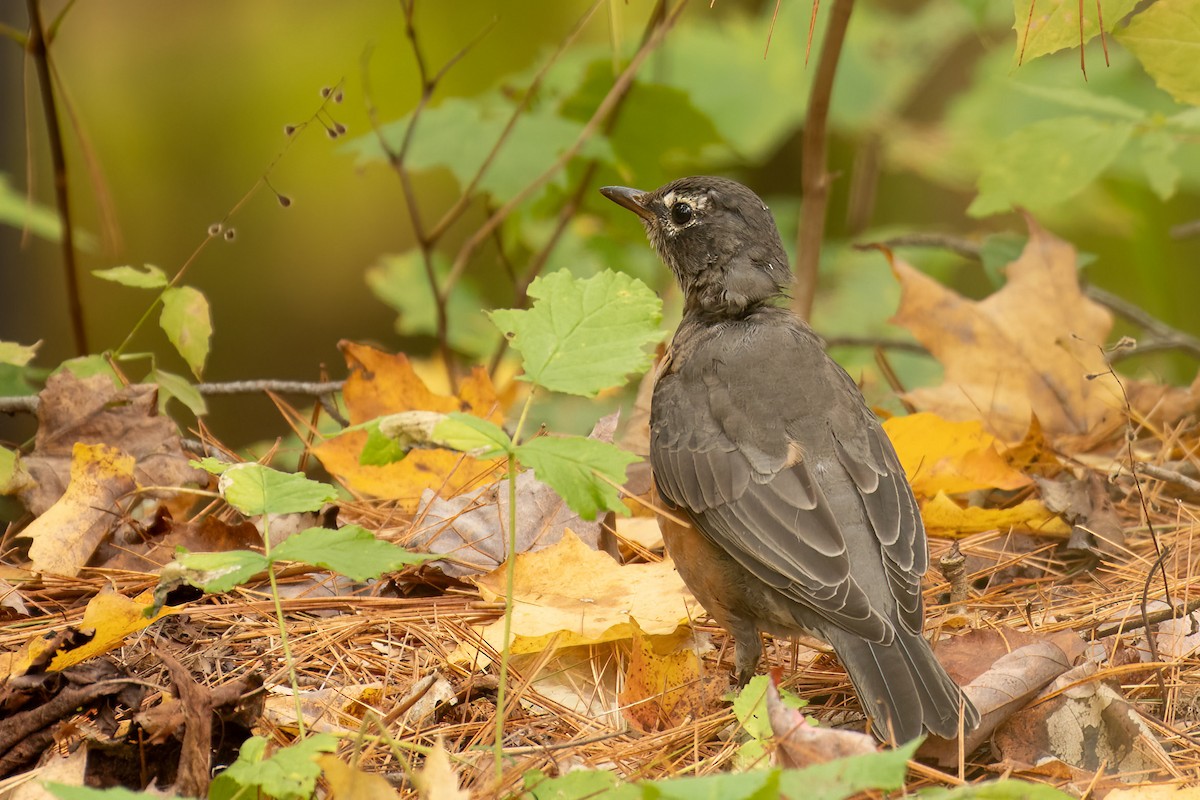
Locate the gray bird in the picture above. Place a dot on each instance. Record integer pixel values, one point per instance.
(802, 518)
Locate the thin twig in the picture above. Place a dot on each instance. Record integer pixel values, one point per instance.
(29, 404)
(1144, 620)
(619, 88)
(814, 175)
(40, 54)
(1138, 316)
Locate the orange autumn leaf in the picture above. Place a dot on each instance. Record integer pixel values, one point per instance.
(381, 384)
(1027, 349)
(951, 457)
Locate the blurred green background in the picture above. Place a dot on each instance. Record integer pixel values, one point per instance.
(174, 111)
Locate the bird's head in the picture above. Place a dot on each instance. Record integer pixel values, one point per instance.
(718, 238)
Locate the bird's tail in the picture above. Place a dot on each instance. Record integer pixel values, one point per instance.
(903, 688)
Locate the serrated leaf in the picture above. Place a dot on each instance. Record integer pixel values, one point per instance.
(175, 386)
(1165, 37)
(290, 773)
(17, 354)
(380, 449)
(845, 777)
(477, 437)
(87, 366)
(583, 336)
(351, 550)
(213, 466)
(1054, 24)
(569, 465)
(1048, 162)
(148, 277)
(65, 791)
(186, 321)
(219, 572)
(254, 489)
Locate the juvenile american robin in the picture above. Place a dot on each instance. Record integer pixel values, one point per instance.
(802, 518)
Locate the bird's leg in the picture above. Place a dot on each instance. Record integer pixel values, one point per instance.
(747, 653)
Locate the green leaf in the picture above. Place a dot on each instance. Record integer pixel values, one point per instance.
(66, 792)
(569, 465)
(1158, 149)
(213, 466)
(1054, 24)
(41, 220)
(1048, 162)
(13, 476)
(380, 449)
(291, 773)
(537, 139)
(759, 784)
(579, 785)
(750, 708)
(1165, 37)
(17, 354)
(254, 489)
(583, 336)
(351, 550)
(844, 777)
(402, 283)
(216, 572)
(186, 321)
(148, 277)
(474, 435)
(172, 386)
(87, 366)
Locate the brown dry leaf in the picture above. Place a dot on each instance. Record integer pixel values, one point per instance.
(1027, 349)
(665, 685)
(381, 384)
(1005, 687)
(570, 594)
(90, 410)
(436, 780)
(1157, 791)
(208, 534)
(945, 518)
(1086, 727)
(951, 457)
(1085, 504)
(350, 783)
(473, 526)
(66, 535)
(801, 744)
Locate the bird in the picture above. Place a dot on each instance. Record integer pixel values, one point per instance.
(801, 519)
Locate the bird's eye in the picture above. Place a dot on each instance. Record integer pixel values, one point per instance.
(681, 213)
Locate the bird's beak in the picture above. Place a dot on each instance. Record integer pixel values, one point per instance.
(629, 198)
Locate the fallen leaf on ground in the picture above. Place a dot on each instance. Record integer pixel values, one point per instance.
(801, 744)
(473, 526)
(66, 535)
(92, 411)
(1027, 349)
(382, 384)
(1085, 504)
(350, 783)
(665, 685)
(570, 594)
(946, 518)
(436, 780)
(952, 457)
(1088, 727)
(107, 620)
(1006, 686)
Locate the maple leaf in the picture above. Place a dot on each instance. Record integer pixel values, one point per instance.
(1030, 348)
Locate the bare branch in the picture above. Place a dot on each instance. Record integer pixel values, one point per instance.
(814, 175)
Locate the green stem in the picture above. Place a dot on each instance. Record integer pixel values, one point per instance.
(510, 572)
(288, 661)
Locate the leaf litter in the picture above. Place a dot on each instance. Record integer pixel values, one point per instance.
(1054, 651)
